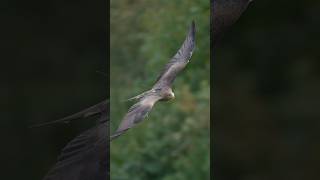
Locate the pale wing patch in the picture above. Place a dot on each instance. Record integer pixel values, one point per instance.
(136, 114)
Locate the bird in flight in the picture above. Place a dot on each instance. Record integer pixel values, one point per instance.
(161, 90)
(85, 157)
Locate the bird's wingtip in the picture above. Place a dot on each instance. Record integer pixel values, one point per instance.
(46, 124)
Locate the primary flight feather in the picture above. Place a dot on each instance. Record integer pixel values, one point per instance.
(161, 91)
(86, 156)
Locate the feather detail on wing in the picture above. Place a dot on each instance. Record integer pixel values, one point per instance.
(98, 109)
(179, 60)
(140, 96)
(136, 114)
(84, 157)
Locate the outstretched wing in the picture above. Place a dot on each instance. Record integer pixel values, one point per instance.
(98, 109)
(84, 158)
(136, 113)
(179, 60)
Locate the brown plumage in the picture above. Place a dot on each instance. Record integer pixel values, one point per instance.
(161, 91)
(91, 111)
(86, 157)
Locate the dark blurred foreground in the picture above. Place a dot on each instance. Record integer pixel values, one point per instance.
(266, 94)
(51, 52)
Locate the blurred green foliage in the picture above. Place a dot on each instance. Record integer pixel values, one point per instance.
(173, 143)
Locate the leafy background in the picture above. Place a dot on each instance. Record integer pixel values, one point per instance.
(173, 143)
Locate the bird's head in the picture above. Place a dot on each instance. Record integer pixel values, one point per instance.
(167, 95)
(171, 95)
